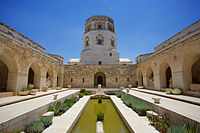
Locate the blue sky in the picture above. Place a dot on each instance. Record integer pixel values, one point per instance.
(58, 25)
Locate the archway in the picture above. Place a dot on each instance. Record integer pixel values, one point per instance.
(150, 78)
(196, 72)
(191, 70)
(49, 77)
(8, 73)
(3, 76)
(100, 78)
(59, 79)
(34, 75)
(165, 74)
(140, 78)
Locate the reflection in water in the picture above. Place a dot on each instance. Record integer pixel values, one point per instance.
(112, 122)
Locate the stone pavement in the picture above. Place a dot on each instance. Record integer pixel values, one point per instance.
(188, 99)
(187, 110)
(137, 124)
(14, 99)
(65, 123)
(21, 113)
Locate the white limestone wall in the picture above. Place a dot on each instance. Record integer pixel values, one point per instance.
(94, 53)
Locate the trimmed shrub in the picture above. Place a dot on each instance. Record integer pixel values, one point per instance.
(69, 102)
(119, 93)
(55, 108)
(46, 120)
(63, 108)
(35, 127)
(137, 105)
(74, 99)
(87, 92)
(80, 95)
(82, 90)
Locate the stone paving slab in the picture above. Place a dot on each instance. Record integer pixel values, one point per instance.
(187, 110)
(14, 99)
(138, 124)
(12, 114)
(189, 99)
(65, 123)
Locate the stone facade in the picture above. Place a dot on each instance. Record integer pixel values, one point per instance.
(23, 61)
(114, 76)
(174, 64)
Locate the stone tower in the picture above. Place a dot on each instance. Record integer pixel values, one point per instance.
(99, 42)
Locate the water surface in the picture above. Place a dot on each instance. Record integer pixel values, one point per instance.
(112, 122)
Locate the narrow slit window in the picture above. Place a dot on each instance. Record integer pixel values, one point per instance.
(71, 80)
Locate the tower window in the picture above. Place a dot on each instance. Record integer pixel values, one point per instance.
(116, 80)
(99, 26)
(100, 62)
(71, 80)
(127, 79)
(99, 41)
(112, 43)
(83, 80)
(110, 54)
(86, 43)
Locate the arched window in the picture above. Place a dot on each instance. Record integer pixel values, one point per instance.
(99, 39)
(87, 41)
(112, 42)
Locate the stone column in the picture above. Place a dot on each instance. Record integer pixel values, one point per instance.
(22, 80)
(12, 82)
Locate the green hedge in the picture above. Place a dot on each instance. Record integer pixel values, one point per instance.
(137, 105)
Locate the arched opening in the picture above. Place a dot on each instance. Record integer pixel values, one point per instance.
(150, 78)
(165, 74)
(3, 77)
(34, 75)
(8, 73)
(140, 78)
(59, 79)
(191, 68)
(100, 78)
(196, 72)
(30, 76)
(49, 78)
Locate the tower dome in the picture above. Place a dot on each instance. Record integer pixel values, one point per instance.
(99, 42)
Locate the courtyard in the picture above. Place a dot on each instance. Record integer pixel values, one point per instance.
(46, 88)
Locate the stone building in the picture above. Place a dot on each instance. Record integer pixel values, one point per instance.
(24, 62)
(174, 63)
(100, 62)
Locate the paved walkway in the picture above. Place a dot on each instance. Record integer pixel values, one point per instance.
(66, 121)
(14, 99)
(185, 109)
(137, 123)
(12, 113)
(188, 99)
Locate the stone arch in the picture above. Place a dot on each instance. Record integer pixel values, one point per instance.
(140, 78)
(9, 69)
(50, 76)
(165, 74)
(59, 78)
(150, 77)
(190, 69)
(34, 75)
(100, 78)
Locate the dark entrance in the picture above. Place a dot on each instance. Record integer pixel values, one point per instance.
(99, 78)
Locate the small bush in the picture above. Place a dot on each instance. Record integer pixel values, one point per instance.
(137, 105)
(176, 129)
(74, 99)
(87, 92)
(119, 94)
(99, 99)
(191, 128)
(27, 88)
(35, 127)
(161, 126)
(69, 102)
(176, 89)
(100, 116)
(46, 120)
(80, 95)
(82, 90)
(63, 108)
(168, 89)
(55, 108)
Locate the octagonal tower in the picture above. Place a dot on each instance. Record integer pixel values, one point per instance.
(99, 42)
